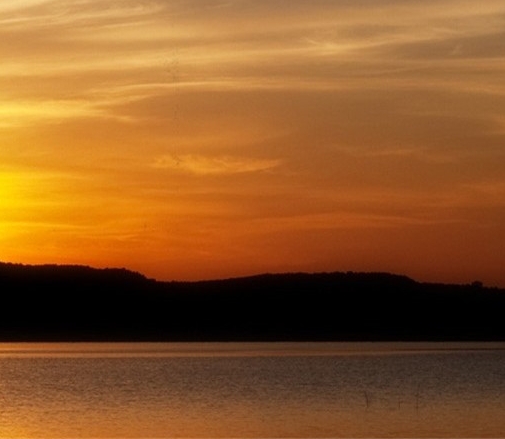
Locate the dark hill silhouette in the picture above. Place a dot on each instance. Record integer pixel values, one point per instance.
(78, 303)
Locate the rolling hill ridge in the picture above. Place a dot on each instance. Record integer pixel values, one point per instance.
(80, 303)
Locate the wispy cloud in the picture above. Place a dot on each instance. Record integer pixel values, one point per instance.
(214, 165)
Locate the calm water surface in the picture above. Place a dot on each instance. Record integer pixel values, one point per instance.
(252, 390)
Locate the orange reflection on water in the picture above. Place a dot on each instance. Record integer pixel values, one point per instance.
(251, 390)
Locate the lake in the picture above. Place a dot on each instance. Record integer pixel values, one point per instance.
(252, 390)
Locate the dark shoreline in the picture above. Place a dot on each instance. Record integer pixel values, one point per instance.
(77, 303)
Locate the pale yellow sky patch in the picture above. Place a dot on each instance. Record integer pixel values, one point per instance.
(15, 113)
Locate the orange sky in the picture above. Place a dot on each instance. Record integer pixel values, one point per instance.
(195, 139)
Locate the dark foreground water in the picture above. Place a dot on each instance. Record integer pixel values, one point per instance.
(254, 390)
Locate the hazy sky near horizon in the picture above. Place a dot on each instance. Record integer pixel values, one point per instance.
(193, 139)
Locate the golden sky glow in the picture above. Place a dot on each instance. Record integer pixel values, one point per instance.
(194, 139)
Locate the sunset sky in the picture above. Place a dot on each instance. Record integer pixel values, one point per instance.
(197, 139)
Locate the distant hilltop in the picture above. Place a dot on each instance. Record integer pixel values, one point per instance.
(80, 303)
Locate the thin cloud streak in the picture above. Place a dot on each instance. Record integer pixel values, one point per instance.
(199, 164)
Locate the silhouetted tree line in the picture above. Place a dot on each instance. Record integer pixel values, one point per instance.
(56, 302)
